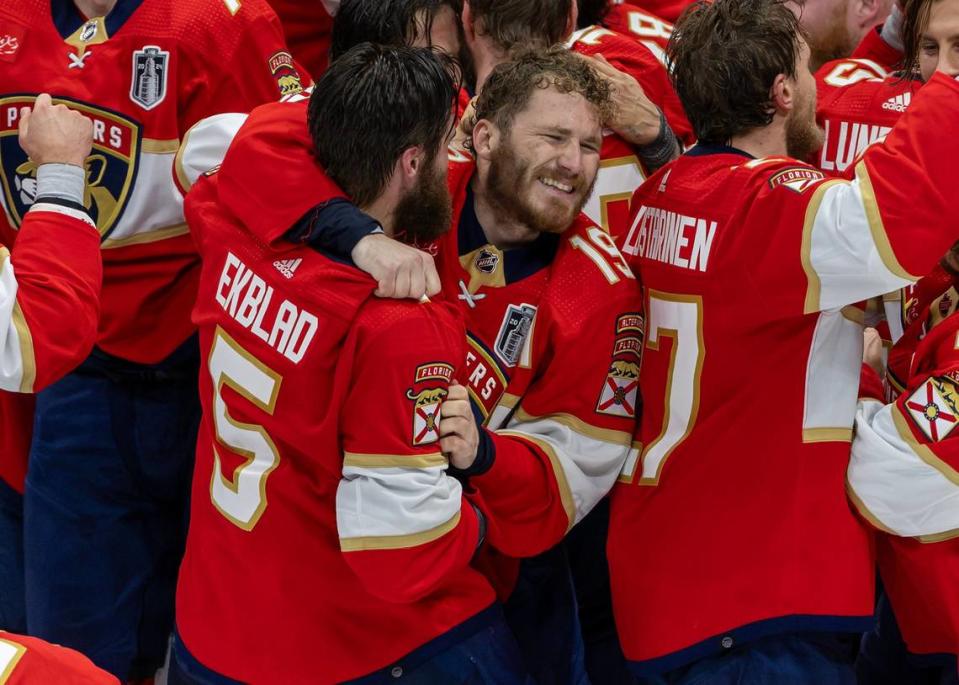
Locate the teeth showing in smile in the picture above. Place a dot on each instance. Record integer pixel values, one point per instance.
(556, 184)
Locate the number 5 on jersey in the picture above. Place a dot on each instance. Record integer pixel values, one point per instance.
(242, 498)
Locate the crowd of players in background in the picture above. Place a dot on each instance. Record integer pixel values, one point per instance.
(479, 341)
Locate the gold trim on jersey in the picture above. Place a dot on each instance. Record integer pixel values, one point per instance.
(232, 484)
(922, 451)
(609, 435)
(383, 542)
(627, 478)
(698, 375)
(19, 651)
(478, 279)
(178, 163)
(814, 285)
(565, 492)
(146, 237)
(854, 314)
(387, 461)
(826, 434)
(100, 35)
(160, 147)
(864, 510)
(876, 228)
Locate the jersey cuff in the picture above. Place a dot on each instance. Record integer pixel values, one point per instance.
(335, 227)
(485, 456)
(63, 181)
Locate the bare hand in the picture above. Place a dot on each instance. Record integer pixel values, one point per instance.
(55, 134)
(459, 436)
(400, 271)
(872, 350)
(635, 117)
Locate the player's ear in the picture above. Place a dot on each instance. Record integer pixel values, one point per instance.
(485, 138)
(573, 17)
(782, 95)
(868, 13)
(410, 165)
(469, 28)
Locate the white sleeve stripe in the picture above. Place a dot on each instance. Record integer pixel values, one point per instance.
(391, 503)
(204, 146)
(900, 483)
(15, 339)
(65, 211)
(585, 460)
(845, 251)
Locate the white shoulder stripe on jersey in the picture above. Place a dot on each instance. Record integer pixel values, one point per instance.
(395, 501)
(204, 146)
(903, 487)
(585, 460)
(846, 252)
(17, 370)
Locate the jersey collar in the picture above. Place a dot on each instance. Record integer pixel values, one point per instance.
(702, 149)
(67, 18)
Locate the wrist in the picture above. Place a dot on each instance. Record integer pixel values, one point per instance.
(485, 456)
(62, 181)
(662, 150)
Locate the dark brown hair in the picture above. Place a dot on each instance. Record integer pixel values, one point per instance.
(513, 24)
(511, 84)
(915, 19)
(373, 103)
(724, 57)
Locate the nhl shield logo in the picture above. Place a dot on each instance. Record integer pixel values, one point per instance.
(111, 167)
(512, 340)
(150, 66)
(486, 261)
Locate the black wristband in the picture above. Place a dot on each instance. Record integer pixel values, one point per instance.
(662, 150)
(485, 456)
(335, 227)
(481, 520)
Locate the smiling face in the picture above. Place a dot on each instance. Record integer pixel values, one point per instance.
(542, 168)
(939, 40)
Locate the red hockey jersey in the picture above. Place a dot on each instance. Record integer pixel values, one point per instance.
(554, 332)
(351, 536)
(732, 306)
(620, 171)
(858, 103)
(31, 661)
(636, 22)
(308, 25)
(904, 479)
(873, 48)
(49, 302)
(144, 74)
(667, 9)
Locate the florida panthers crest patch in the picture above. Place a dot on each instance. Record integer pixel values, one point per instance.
(934, 408)
(429, 389)
(150, 67)
(618, 396)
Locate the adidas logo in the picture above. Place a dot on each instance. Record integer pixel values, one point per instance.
(287, 266)
(898, 103)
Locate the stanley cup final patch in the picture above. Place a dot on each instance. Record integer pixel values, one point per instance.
(149, 82)
(514, 337)
(429, 388)
(933, 408)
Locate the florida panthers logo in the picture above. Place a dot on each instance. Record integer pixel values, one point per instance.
(111, 167)
(428, 400)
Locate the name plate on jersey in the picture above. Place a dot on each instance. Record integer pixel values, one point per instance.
(111, 167)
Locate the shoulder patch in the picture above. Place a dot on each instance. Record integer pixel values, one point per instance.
(285, 74)
(620, 390)
(427, 399)
(797, 179)
(934, 407)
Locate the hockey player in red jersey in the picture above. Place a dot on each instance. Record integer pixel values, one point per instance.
(834, 28)
(112, 447)
(357, 542)
(759, 559)
(308, 26)
(629, 20)
(49, 301)
(31, 661)
(648, 116)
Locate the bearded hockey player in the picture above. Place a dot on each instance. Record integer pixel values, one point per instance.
(759, 558)
(357, 542)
